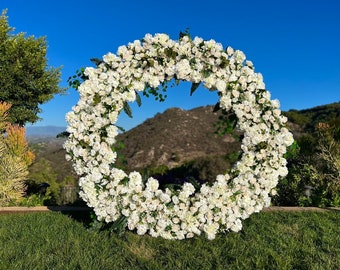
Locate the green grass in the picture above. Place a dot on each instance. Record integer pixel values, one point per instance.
(269, 240)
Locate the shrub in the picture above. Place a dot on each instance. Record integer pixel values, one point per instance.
(328, 154)
(42, 172)
(314, 174)
(14, 159)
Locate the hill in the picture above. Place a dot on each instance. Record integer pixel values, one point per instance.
(309, 118)
(178, 138)
(175, 137)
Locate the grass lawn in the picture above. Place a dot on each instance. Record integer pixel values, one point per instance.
(269, 240)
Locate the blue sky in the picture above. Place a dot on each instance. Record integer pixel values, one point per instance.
(294, 44)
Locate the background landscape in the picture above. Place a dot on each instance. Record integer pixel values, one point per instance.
(175, 145)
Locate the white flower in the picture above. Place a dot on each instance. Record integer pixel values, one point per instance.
(152, 184)
(182, 213)
(230, 51)
(183, 69)
(162, 39)
(221, 85)
(141, 229)
(211, 230)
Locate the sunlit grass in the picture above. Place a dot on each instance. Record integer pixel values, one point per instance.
(269, 240)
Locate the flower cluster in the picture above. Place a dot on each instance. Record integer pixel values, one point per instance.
(182, 213)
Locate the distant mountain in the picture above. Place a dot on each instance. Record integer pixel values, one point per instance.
(43, 131)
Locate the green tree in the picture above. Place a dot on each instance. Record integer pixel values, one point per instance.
(41, 171)
(25, 79)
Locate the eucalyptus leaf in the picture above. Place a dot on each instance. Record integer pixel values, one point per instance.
(194, 87)
(217, 107)
(96, 61)
(195, 183)
(119, 225)
(127, 109)
(121, 128)
(138, 99)
(185, 33)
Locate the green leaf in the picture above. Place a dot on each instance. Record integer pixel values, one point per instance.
(119, 225)
(194, 182)
(170, 53)
(151, 62)
(185, 33)
(121, 128)
(194, 87)
(217, 107)
(96, 99)
(225, 62)
(138, 99)
(206, 73)
(127, 109)
(96, 61)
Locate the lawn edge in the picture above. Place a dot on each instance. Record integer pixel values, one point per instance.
(24, 209)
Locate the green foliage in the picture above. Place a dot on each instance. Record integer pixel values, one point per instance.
(292, 189)
(34, 200)
(197, 171)
(155, 170)
(63, 134)
(13, 171)
(292, 151)
(310, 118)
(76, 80)
(50, 166)
(226, 124)
(121, 161)
(157, 92)
(314, 171)
(41, 171)
(25, 79)
(328, 152)
(296, 117)
(186, 33)
(194, 87)
(272, 240)
(206, 168)
(15, 158)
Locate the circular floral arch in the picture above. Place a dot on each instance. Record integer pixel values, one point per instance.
(141, 205)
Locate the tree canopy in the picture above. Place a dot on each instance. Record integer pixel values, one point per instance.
(26, 81)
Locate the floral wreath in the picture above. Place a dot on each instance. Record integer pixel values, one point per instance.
(141, 205)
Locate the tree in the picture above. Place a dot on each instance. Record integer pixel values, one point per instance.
(25, 79)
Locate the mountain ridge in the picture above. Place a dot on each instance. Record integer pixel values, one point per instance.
(44, 131)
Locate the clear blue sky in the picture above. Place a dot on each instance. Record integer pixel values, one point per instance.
(294, 44)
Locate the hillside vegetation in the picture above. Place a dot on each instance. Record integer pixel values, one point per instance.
(309, 118)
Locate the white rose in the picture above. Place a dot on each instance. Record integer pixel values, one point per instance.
(221, 85)
(152, 184)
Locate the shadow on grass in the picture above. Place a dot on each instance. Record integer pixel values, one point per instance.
(80, 214)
